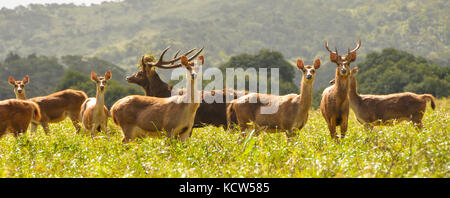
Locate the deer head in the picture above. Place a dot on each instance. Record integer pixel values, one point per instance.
(308, 71)
(190, 66)
(19, 86)
(343, 62)
(101, 81)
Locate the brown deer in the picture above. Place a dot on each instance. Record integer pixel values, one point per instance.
(141, 116)
(292, 108)
(94, 114)
(208, 113)
(335, 103)
(54, 107)
(372, 110)
(16, 115)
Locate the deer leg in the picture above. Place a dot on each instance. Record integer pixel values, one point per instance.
(332, 128)
(33, 127)
(45, 126)
(344, 126)
(184, 135)
(417, 120)
(76, 124)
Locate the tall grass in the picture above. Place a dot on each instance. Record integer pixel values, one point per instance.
(395, 151)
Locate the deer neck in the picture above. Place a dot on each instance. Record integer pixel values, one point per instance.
(342, 86)
(100, 102)
(157, 87)
(192, 91)
(355, 98)
(305, 95)
(21, 96)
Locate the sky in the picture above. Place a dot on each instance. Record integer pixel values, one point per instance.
(13, 3)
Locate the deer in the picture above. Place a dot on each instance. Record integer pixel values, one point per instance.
(141, 116)
(208, 113)
(55, 107)
(16, 115)
(334, 105)
(373, 110)
(292, 108)
(94, 114)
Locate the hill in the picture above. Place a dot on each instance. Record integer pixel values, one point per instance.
(295, 28)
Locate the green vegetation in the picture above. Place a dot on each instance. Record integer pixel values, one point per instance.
(397, 151)
(393, 71)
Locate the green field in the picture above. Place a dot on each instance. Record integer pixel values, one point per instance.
(397, 151)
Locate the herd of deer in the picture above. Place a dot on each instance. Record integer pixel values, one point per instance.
(160, 114)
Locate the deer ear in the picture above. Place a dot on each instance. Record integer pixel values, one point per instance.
(334, 57)
(202, 59)
(108, 75)
(354, 70)
(11, 80)
(93, 76)
(26, 79)
(300, 64)
(351, 56)
(184, 61)
(317, 64)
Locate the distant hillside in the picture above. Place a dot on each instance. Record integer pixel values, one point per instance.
(121, 32)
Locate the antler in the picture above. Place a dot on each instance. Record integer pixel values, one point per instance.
(358, 44)
(189, 59)
(169, 64)
(335, 48)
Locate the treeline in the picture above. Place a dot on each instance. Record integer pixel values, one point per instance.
(48, 75)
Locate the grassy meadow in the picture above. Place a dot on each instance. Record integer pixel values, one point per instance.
(395, 151)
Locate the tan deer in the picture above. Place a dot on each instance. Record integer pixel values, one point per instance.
(141, 116)
(208, 113)
(94, 114)
(372, 110)
(335, 103)
(16, 115)
(292, 108)
(55, 107)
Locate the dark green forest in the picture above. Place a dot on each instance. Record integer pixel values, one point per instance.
(295, 28)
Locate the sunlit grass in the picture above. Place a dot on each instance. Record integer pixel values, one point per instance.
(397, 151)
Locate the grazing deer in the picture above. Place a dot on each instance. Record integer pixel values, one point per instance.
(335, 103)
(54, 107)
(372, 110)
(94, 114)
(208, 113)
(140, 116)
(292, 110)
(16, 115)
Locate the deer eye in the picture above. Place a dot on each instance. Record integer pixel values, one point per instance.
(312, 71)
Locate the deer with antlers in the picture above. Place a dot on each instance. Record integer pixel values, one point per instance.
(372, 110)
(55, 107)
(94, 114)
(141, 116)
(335, 102)
(16, 115)
(208, 113)
(292, 108)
